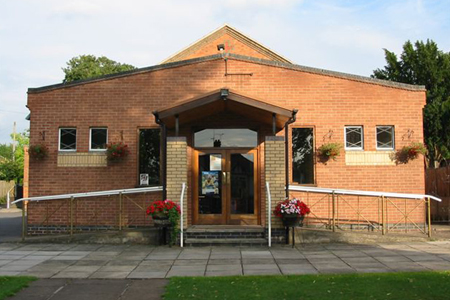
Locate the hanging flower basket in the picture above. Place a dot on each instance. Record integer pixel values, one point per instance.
(292, 220)
(117, 151)
(166, 214)
(410, 152)
(292, 212)
(161, 220)
(329, 150)
(38, 152)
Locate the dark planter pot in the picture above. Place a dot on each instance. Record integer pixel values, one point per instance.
(161, 220)
(293, 220)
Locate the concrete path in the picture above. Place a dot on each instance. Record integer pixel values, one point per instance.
(140, 262)
(93, 289)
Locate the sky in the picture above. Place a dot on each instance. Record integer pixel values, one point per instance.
(37, 38)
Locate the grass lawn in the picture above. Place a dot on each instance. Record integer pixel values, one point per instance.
(410, 286)
(10, 285)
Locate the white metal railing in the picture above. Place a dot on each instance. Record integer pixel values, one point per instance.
(269, 214)
(93, 194)
(360, 193)
(8, 198)
(183, 187)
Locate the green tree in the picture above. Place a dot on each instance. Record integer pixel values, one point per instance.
(424, 64)
(12, 169)
(89, 66)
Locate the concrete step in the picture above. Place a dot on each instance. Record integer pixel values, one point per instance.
(226, 242)
(225, 232)
(224, 228)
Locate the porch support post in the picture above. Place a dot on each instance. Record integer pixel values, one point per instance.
(177, 125)
(177, 171)
(274, 124)
(275, 173)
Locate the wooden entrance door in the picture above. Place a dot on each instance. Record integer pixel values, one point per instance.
(225, 187)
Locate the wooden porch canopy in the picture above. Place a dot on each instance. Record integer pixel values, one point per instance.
(224, 100)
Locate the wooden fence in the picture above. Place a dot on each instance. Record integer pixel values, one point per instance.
(437, 183)
(5, 186)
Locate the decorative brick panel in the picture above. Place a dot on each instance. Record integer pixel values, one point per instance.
(369, 158)
(177, 171)
(275, 172)
(82, 159)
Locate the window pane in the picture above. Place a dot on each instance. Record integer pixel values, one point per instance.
(210, 185)
(226, 138)
(68, 139)
(149, 156)
(354, 137)
(99, 138)
(385, 137)
(303, 155)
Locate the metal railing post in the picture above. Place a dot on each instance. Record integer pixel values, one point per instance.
(383, 217)
(269, 214)
(333, 211)
(120, 211)
(71, 216)
(429, 216)
(183, 186)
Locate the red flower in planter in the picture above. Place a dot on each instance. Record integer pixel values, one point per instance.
(116, 151)
(291, 207)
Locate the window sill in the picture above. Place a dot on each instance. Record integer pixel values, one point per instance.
(304, 184)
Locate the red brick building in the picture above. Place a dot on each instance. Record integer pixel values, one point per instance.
(216, 116)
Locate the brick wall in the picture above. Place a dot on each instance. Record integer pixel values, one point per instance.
(275, 172)
(177, 171)
(124, 105)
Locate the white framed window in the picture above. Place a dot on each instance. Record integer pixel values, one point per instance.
(354, 137)
(67, 139)
(98, 138)
(385, 137)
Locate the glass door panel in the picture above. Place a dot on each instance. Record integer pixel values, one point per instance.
(242, 183)
(210, 190)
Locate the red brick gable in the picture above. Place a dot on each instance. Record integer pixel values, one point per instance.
(234, 41)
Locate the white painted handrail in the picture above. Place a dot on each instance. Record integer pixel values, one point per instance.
(181, 214)
(8, 198)
(93, 194)
(269, 214)
(301, 188)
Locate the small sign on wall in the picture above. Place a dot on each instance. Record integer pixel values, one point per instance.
(144, 180)
(215, 162)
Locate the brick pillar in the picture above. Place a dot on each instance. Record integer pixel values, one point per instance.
(177, 171)
(275, 173)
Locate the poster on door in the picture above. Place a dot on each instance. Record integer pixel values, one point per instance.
(210, 182)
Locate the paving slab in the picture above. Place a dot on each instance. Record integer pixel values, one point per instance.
(258, 261)
(224, 262)
(262, 272)
(110, 275)
(224, 273)
(190, 262)
(297, 269)
(147, 275)
(216, 268)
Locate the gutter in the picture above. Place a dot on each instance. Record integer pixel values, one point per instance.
(286, 150)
